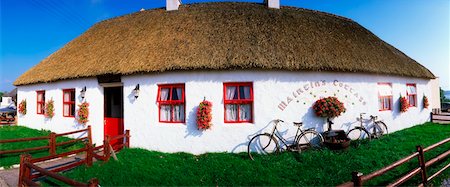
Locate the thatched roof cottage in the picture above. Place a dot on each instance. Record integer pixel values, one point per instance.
(149, 70)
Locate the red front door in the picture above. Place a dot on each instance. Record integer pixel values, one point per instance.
(113, 113)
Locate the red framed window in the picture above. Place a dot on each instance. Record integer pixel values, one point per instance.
(40, 102)
(171, 103)
(385, 96)
(238, 102)
(69, 102)
(411, 93)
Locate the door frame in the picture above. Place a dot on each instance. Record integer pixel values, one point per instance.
(113, 85)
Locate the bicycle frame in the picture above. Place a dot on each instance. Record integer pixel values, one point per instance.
(373, 119)
(276, 133)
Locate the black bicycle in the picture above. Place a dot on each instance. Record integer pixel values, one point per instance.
(266, 143)
(378, 129)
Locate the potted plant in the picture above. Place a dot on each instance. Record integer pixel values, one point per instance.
(425, 102)
(204, 116)
(404, 104)
(49, 110)
(331, 107)
(22, 107)
(83, 113)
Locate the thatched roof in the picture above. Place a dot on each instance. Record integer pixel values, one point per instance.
(224, 36)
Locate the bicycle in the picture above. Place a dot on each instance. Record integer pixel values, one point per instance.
(377, 130)
(267, 143)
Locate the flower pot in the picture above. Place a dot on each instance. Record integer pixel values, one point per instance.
(336, 139)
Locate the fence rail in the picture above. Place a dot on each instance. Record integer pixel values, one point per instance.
(52, 144)
(358, 179)
(28, 164)
(440, 117)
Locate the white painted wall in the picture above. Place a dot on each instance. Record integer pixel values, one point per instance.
(435, 94)
(270, 89)
(60, 124)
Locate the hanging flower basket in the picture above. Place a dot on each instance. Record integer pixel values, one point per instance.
(83, 113)
(404, 104)
(328, 107)
(23, 107)
(49, 111)
(204, 115)
(425, 102)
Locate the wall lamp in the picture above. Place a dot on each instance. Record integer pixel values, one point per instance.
(136, 91)
(83, 92)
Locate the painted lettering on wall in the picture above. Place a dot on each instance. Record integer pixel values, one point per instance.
(311, 87)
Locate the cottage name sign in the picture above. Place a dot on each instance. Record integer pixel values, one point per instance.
(309, 87)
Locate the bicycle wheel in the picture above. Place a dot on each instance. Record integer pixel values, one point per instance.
(380, 129)
(262, 144)
(309, 139)
(358, 134)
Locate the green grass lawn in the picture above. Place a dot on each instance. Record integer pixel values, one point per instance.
(137, 167)
(13, 132)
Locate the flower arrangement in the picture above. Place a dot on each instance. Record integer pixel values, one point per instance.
(49, 111)
(328, 107)
(404, 105)
(23, 107)
(83, 113)
(204, 115)
(425, 102)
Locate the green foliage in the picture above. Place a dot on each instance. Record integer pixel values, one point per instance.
(139, 167)
(13, 132)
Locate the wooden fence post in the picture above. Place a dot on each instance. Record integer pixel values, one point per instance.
(89, 154)
(423, 169)
(106, 151)
(356, 178)
(89, 135)
(24, 170)
(52, 143)
(127, 142)
(93, 182)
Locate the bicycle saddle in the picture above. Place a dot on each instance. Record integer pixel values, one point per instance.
(298, 123)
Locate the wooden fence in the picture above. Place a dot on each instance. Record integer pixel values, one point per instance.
(52, 144)
(443, 117)
(358, 178)
(29, 171)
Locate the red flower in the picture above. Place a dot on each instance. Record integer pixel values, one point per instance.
(204, 115)
(328, 107)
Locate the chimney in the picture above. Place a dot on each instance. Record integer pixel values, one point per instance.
(172, 4)
(273, 3)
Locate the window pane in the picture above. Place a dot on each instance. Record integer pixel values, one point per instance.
(412, 100)
(244, 92)
(66, 110)
(72, 95)
(411, 89)
(176, 94)
(165, 113)
(231, 93)
(66, 96)
(245, 112)
(164, 95)
(72, 110)
(39, 108)
(387, 104)
(40, 97)
(231, 112)
(178, 113)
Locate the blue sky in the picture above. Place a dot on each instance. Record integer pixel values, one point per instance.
(31, 30)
